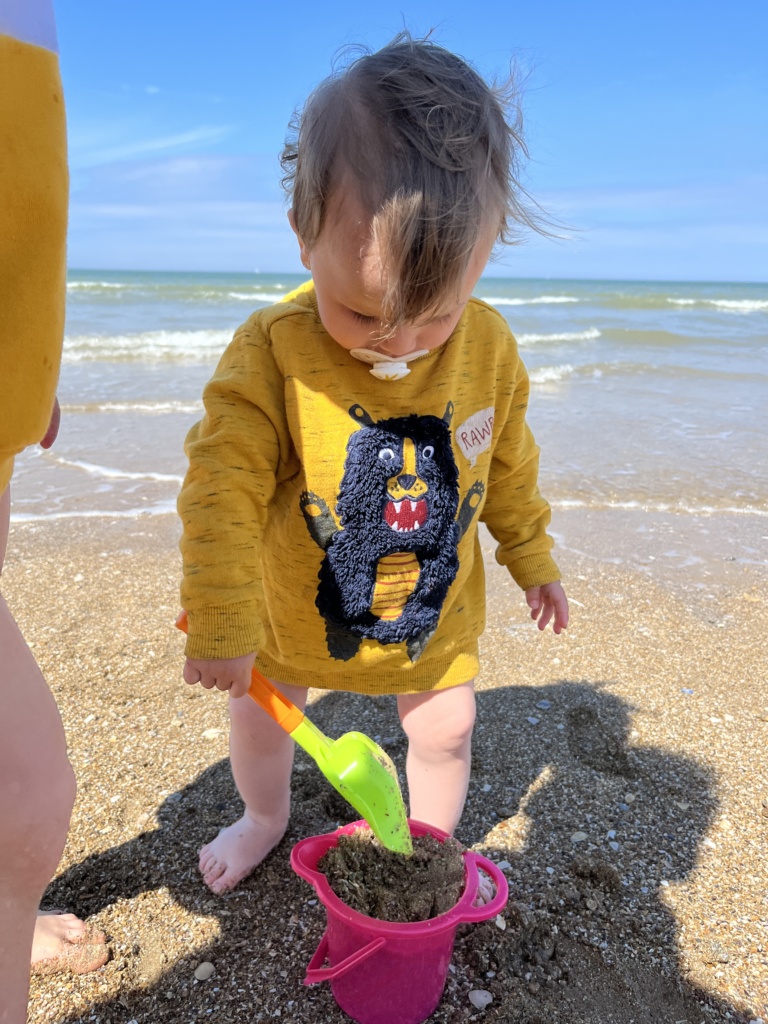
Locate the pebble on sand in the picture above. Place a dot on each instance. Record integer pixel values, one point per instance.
(204, 970)
(480, 998)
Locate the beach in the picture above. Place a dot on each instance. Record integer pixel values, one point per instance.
(619, 771)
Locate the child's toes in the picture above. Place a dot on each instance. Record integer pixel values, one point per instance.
(207, 859)
(212, 870)
(223, 882)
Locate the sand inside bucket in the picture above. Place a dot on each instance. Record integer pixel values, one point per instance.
(390, 887)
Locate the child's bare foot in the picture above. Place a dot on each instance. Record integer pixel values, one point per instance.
(236, 851)
(63, 943)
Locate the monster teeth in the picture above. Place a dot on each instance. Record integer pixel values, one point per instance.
(406, 529)
(398, 505)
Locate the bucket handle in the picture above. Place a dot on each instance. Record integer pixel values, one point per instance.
(499, 901)
(316, 973)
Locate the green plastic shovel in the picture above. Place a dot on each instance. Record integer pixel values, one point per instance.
(354, 765)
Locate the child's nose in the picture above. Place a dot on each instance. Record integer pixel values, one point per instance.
(405, 340)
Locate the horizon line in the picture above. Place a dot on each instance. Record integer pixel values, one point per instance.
(497, 277)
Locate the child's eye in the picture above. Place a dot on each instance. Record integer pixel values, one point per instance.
(362, 318)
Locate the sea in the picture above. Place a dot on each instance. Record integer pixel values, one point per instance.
(648, 402)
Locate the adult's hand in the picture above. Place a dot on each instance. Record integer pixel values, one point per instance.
(53, 427)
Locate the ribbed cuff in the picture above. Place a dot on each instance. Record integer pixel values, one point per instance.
(224, 632)
(534, 571)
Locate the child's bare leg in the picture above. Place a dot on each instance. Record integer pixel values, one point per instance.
(262, 758)
(439, 726)
(37, 791)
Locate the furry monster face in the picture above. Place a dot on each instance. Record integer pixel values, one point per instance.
(400, 483)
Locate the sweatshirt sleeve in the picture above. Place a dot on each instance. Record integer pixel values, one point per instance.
(515, 513)
(33, 222)
(234, 454)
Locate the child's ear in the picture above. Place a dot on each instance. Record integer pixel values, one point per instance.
(303, 250)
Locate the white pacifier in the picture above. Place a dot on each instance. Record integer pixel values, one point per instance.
(387, 367)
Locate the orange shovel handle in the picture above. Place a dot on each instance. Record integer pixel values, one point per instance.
(275, 703)
(266, 694)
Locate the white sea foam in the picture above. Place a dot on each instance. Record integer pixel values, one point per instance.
(662, 506)
(257, 296)
(162, 508)
(741, 305)
(530, 339)
(539, 300)
(731, 305)
(91, 285)
(147, 408)
(110, 473)
(551, 374)
(150, 346)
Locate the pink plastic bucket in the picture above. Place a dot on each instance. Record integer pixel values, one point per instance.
(382, 972)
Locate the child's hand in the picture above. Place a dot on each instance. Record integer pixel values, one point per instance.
(233, 674)
(546, 601)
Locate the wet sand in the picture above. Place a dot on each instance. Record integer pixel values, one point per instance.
(619, 775)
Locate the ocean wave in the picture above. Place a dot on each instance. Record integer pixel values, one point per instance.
(551, 374)
(257, 296)
(149, 346)
(163, 508)
(539, 300)
(660, 506)
(529, 339)
(110, 473)
(730, 305)
(73, 286)
(148, 408)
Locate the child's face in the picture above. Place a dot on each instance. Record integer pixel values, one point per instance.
(346, 269)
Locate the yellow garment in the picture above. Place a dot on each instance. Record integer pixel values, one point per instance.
(33, 225)
(310, 480)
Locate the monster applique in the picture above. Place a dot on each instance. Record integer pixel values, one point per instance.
(391, 557)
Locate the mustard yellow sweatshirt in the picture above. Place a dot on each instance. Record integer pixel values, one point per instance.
(330, 519)
(33, 224)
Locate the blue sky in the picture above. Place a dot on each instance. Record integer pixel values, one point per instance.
(647, 125)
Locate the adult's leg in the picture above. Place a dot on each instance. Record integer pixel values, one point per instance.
(439, 727)
(261, 754)
(37, 791)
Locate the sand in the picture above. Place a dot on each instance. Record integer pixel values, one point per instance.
(619, 778)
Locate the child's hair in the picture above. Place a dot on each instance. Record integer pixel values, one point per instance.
(433, 152)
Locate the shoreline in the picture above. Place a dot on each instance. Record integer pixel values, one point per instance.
(656, 693)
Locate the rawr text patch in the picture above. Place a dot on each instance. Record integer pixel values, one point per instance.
(474, 434)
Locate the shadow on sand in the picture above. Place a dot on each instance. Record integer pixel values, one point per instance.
(593, 832)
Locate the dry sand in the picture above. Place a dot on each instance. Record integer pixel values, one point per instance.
(619, 774)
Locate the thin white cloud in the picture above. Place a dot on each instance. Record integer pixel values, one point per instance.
(701, 197)
(240, 214)
(179, 178)
(171, 217)
(205, 135)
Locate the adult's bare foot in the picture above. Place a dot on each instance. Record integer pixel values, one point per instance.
(63, 943)
(236, 851)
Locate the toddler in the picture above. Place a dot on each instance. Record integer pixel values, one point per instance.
(356, 434)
